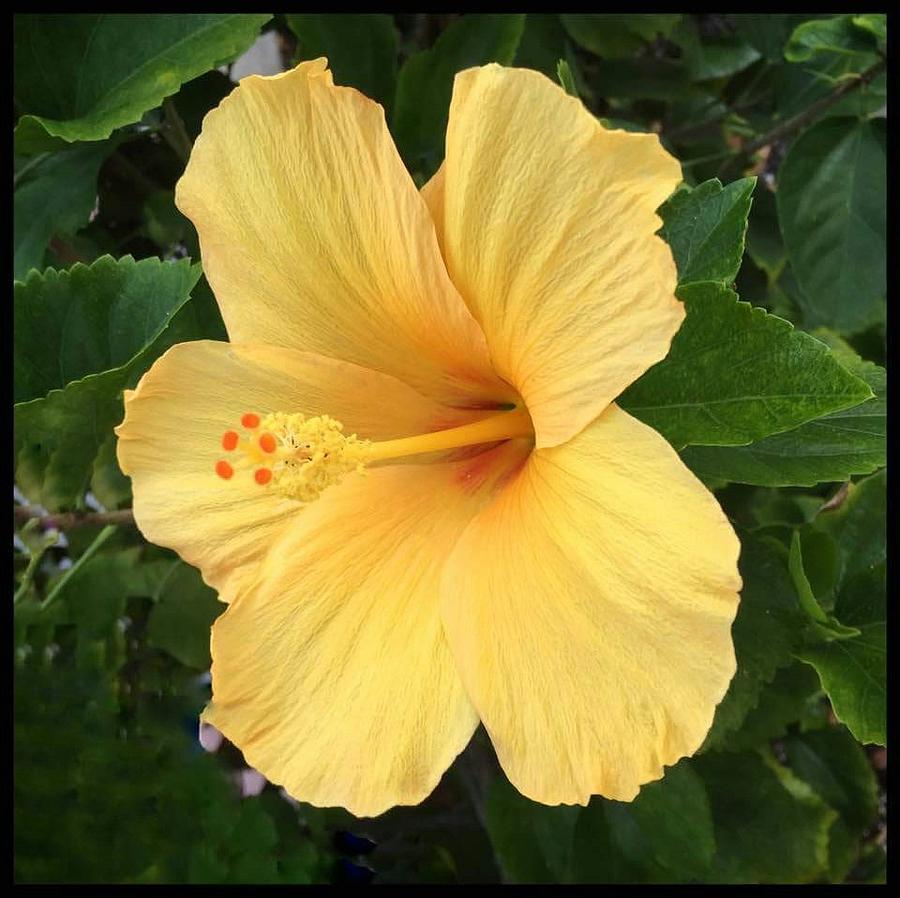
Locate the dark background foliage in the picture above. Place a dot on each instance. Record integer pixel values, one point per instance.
(787, 111)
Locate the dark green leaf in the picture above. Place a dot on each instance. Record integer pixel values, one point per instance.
(615, 36)
(361, 49)
(770, 826)
(768, 32)
(712, 57)
(78, 77)
(543, 44)
(768, 627)
(705, 227)
(182, 616)
(833, 764)
(664, 835)
(875, 24)
(764, 243)
(533, 842)
(425, 82)
(735, 374)
(832, 208)
(858, 526)
(791, 696)
(56, 197)
(645, 78)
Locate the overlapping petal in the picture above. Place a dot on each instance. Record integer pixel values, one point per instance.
(589, 610)
(314, 236)
(332, 672)
(170, 441)
(547, 221)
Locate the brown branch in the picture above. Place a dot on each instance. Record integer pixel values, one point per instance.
(69, 519)
(808, 115)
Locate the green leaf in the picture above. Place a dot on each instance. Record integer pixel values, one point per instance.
(823, 625)
(425, 82)
(78, 77)
(788, 698)
(616, 36)
(832, 208)
(89, 319)
(645, 78)
(768, 32)
(705, 228)
(182, 616)
(830, 448)
(710, 57)
(532, 842)
(875, 24)
(840, 34)
(361, 49)
(735, 374)
(56, 197)
(543, 44)
(858, 526)
(770, 826)
(837, 769)
(853, 671)
(566, 78)
(764, 243)
(768, 627)
(58, 436)
(664, 835)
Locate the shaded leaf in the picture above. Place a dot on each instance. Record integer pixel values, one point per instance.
(182, 616)
(57, 197)
(770, 826)
(532, 842)
(615, 36)
(361, 49)
(768, 627)
(425, 82)
(832, 208)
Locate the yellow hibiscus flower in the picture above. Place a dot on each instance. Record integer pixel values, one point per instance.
(518, 550)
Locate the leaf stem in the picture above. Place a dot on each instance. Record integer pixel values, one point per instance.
(68, 520)
(88, 553)
(807, 116)
(173, 131)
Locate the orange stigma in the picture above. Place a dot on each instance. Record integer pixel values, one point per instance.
(250, 421)
(262, 475)
(229, 441)
(267, 443)
(224, 470)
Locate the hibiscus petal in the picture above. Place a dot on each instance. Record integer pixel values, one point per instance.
(332, 674)
(171, 439)
(314, 236)
(547, 225)
(589, 610)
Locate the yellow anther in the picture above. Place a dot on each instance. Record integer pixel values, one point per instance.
(311, 454)
(300, 457)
